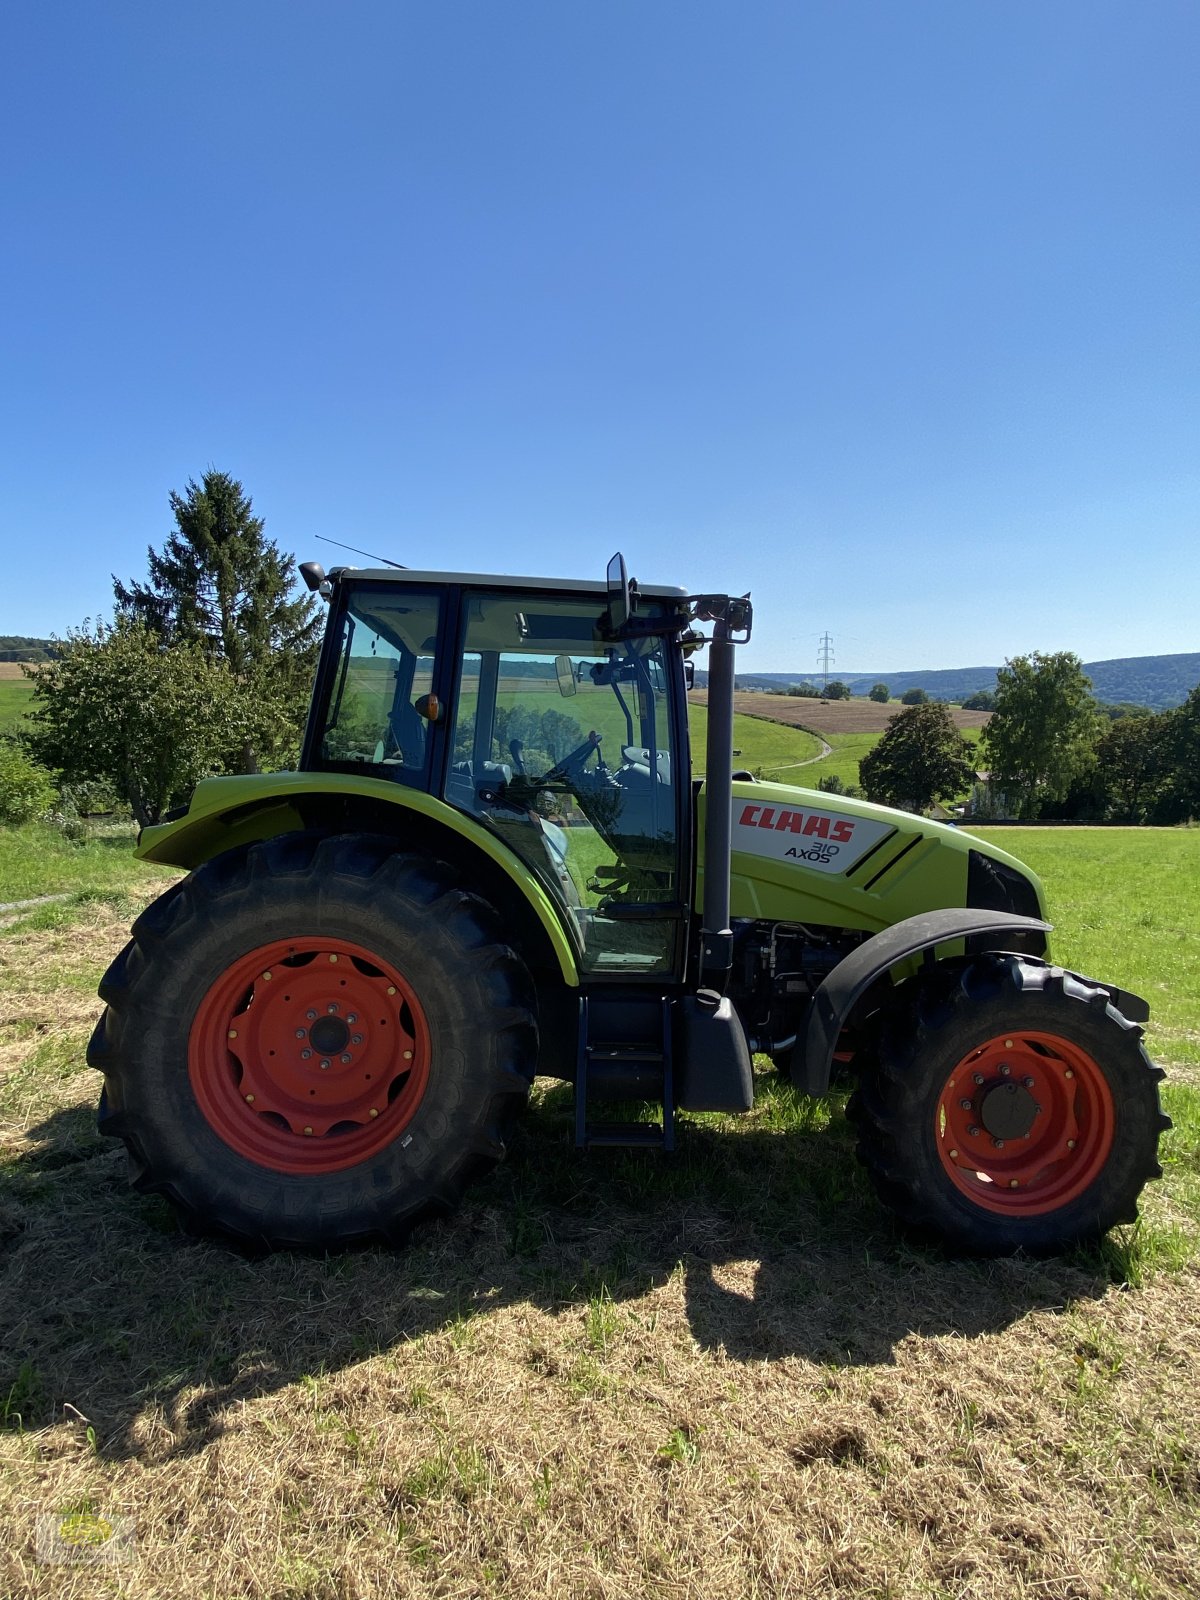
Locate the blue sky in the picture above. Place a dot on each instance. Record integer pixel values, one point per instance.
(887, 312)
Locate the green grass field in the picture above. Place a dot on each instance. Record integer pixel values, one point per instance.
(37, 860)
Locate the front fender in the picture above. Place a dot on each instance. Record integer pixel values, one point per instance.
(227, 812)
(853, 976)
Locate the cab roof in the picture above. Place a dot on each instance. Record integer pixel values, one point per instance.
(501, 580)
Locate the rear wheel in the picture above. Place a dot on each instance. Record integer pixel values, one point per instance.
(313, 1042)
(1009, 1106)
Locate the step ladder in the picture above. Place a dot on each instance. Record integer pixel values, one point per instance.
(624, 1054)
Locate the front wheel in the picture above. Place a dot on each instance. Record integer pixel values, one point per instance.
(1009, 1106)
(313, 1042)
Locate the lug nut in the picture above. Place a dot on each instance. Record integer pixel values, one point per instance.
(351, 1017)
(356, 1038)
(311, 1015)
(1008, 1044)
(954, 1155)
(965, 1104)
(345, 1061)
(1005, 1069)
(266, 977)
(374, 1113)
(332, 1008)
(979, 1077)
(1071, 1144)
(325, 1065)
(391, 988)
(998, 1144)
(973, 1131)
(408, 1055)
(333, 960)
(301, 1033)
(1028, 1082)
(249, 1099)
(305, 1055)
(308, 1130)
(233, 1033)
(1014, 1183)
(1068, 1073)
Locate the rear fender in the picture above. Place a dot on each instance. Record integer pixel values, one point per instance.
(850, 980)
(227, 812)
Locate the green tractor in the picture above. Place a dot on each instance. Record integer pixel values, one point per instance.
(495, 861)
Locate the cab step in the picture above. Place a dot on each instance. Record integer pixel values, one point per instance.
(624, 1054)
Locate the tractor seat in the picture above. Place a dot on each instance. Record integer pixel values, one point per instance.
(467, 778)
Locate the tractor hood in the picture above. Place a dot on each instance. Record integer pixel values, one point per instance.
(800, 855)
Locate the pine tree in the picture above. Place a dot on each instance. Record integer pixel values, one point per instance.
(221, 584)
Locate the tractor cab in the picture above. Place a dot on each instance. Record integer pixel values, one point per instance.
(554, 717)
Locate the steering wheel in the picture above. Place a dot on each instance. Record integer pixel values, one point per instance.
(572, 764)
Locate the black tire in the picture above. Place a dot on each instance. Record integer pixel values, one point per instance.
(477, 1023)
(941, 1049)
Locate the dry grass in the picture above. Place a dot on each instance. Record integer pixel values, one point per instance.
(719, 1376)
(831, 716)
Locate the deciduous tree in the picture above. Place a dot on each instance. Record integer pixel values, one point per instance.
(921, 758)
(881, 693)
(117, 706)
(1179, 800)
(1133, 760)
(1043, 731)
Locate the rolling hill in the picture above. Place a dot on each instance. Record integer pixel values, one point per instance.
(1159, 682)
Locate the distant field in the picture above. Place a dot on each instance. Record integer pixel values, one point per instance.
(835, 716)
(851, 728)
(16, 696)
(764, 747)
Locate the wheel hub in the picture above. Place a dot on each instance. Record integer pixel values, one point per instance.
(310, 1055)
(1008, 1111)
(329, 1035)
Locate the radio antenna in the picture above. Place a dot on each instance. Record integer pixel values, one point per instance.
(324, 538)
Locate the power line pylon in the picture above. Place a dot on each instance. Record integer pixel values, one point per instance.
(825, 658)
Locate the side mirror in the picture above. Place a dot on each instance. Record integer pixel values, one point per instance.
(689, 674)
(619, 607)
(313, 574)
(564, 668)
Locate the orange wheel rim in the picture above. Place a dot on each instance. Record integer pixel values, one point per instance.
(1025, 1123)
(309, 1055)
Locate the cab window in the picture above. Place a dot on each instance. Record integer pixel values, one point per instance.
(379, 706)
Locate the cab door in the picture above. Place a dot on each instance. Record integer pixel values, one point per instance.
(566, 744)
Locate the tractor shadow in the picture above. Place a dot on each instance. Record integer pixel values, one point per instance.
(108, 1314)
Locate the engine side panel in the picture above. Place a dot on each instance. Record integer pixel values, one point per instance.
(800, 855)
